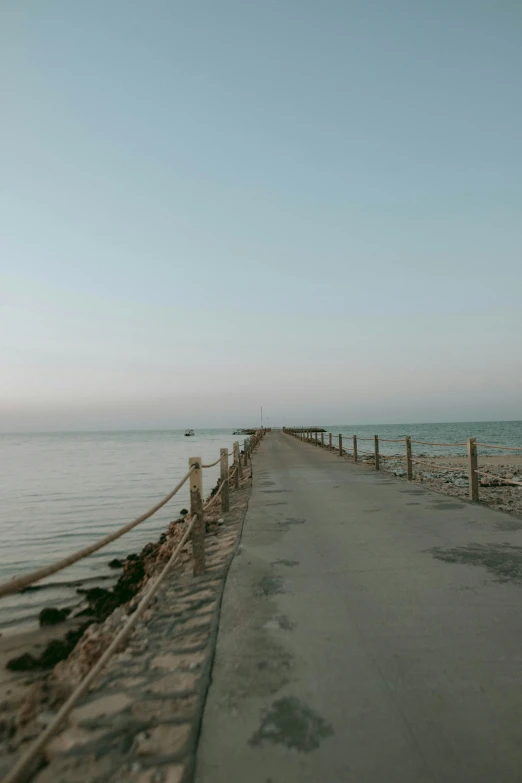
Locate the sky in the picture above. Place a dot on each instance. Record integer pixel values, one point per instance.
(206, 207)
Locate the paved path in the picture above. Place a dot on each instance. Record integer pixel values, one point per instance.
(347, 651)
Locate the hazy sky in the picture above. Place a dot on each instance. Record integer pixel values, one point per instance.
(210, 205)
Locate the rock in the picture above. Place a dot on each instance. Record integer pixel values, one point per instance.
(399, 472)
(100, 707)
(490, 482)
(116, 563)
(51, 616)
(69, 739)
(24, 663)
(461, 482)
(48, 692)
(162, 740)
(183, 512)
(57, 650)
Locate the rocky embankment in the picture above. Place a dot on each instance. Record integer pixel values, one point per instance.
(63, 662)
(186, 608)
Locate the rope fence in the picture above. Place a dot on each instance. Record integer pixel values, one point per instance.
(195, 529)
(500, 478)
(503, 448)
(471, 446)
(16, 773)
(212, 464)
(18, 583)
(428, 443)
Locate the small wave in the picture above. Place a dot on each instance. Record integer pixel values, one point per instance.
(70, 584)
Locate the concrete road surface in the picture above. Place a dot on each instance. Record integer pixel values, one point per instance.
(348, 650)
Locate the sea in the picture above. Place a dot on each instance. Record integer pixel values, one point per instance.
(61, 491)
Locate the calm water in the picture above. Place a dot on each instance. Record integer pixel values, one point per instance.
(61, 491)
(502, 433)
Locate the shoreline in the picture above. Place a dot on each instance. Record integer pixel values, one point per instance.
(27, 691)
(29, 700)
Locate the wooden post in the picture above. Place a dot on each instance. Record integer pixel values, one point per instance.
(409, 463)
(355, 448)
(237, 463)
(316, 438)
(196, 509)
(225, 492)
(377, 463)
(330, 441)
(322, 440)
(340, 445)
(472, 469)
(245, 452)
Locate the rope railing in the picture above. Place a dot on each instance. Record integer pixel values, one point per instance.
(502, 448)
(25, 580)
(18, 583)
(214, 497)
(411, 460)
(31, 755)
(429, 443)
(195, 520)
(212, 463)
(500, 478)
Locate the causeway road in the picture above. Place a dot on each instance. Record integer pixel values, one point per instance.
(370, 631)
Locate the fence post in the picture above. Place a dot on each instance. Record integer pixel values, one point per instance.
(316, 438)
(237, 463)
(196, 509)
(322, 440)
(377, 462)
(355, 448)
(340, 445)
(472, 469)
(409, 463)
(330, 441)
(225, 493)
(245, 452)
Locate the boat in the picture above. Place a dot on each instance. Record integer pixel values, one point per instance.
(189, 433)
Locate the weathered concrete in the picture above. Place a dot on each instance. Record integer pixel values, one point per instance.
(349, 648)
